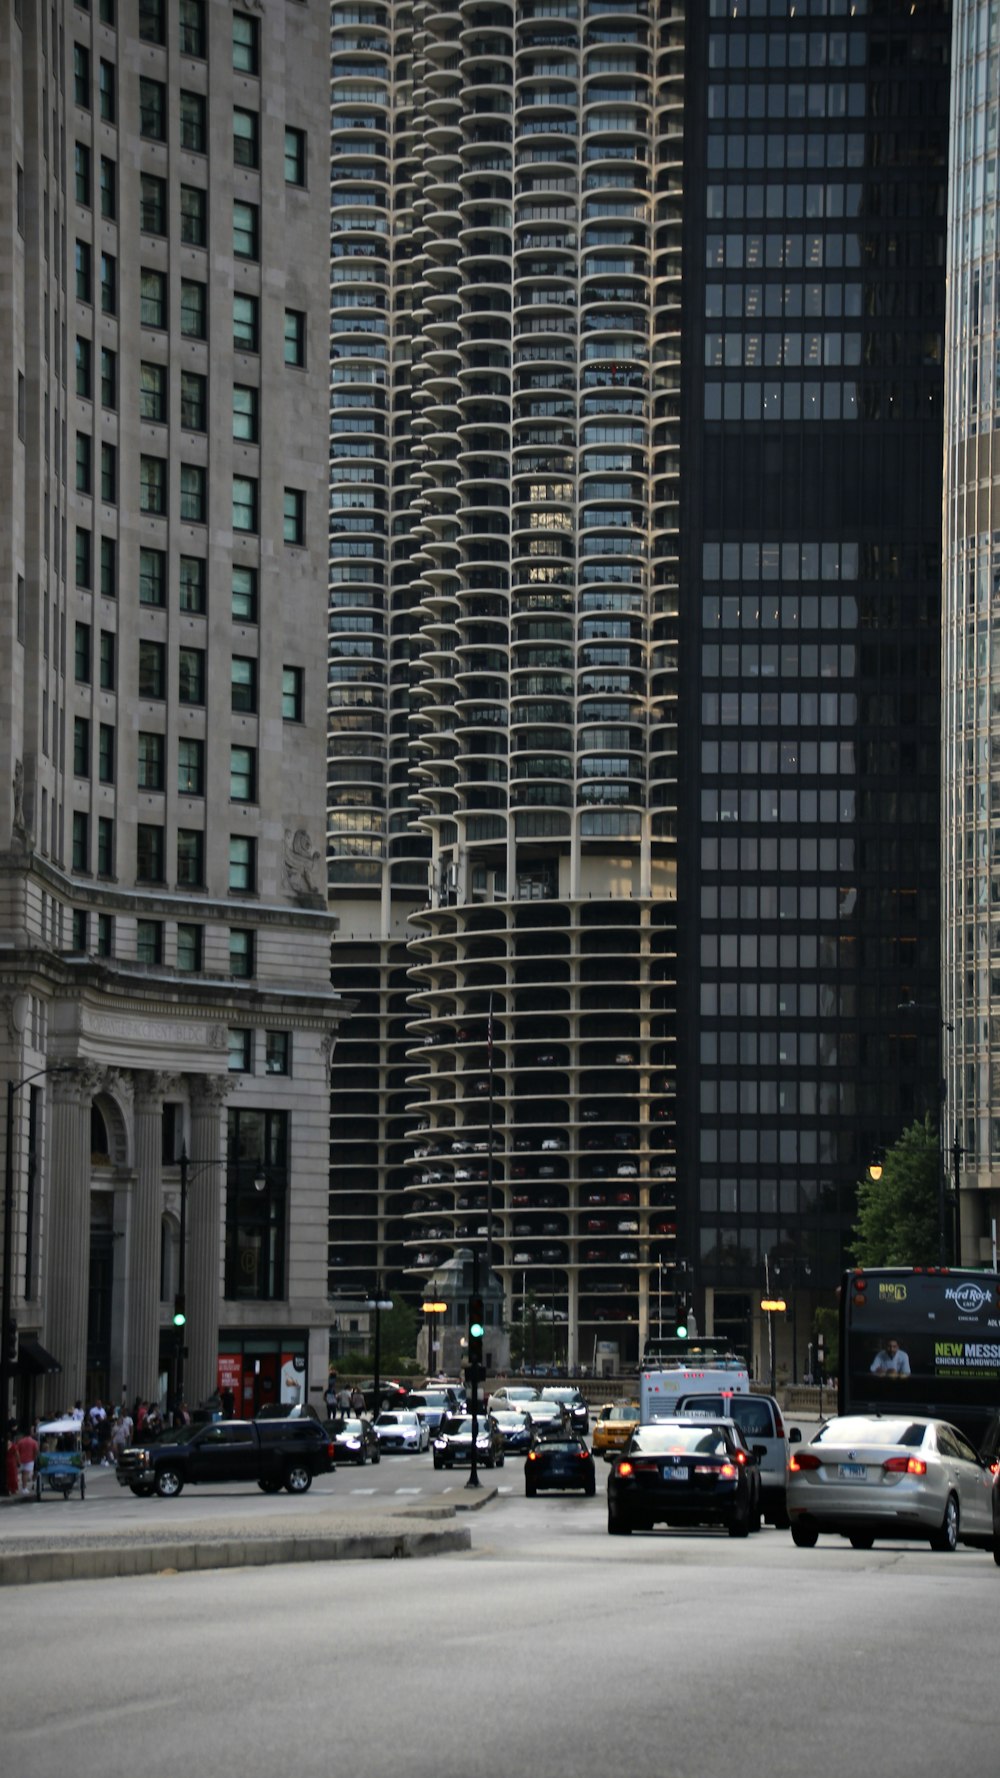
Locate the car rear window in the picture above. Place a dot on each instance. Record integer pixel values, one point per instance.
(659, 1440)
(858, 1430)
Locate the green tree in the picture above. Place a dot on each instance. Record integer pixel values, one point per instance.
(898, 1215)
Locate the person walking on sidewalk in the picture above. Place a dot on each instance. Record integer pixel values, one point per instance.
(27, 1452)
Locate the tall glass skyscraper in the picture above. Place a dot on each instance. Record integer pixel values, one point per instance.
(634, 600)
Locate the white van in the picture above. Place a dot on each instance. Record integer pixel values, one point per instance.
(759, 1419)
(660, 1390)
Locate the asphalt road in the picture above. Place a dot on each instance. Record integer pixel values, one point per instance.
(549, 1648)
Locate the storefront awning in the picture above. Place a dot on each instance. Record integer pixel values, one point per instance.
(33, 1360)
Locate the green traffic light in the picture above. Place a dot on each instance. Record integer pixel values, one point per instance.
(477, 1330)
(180, 1314)
(682, 1330)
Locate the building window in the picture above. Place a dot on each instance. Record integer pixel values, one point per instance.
(81, 747)
(83, 369)
(242, 774)
(152, 204)
(81, 76)
(83, 272)
(191, 675)
(294, 516)
(243, 675)
(105, 846)
(189, 947)
(191, 768)
(295, 156)
(295, 337)
(194, 493)
(193, 584)
(106, 665)
(105, 935)
(149, 853)
(81, 654)
(152, 21)
(194, 403)
(152, 577)
(153, 484)
(152, 298)
(80, 924)
(245, 414)
(292, 693)
(84, 470)
(106, 91)
(193, 122)
(83, 557)
(240, 1051)
(152, 109)
(106, 754)
(244, 594)
(190, 858)
(193, 37)
(242, 864)
(109, 378)
(241, 948)
(81, 173)
(255, 1220)
(150, 755)
(109, 189)
(152, 670)
(245, 229)
(194, 309)
(149, 941)
(109, 568)
(109, 284)
(276, 1052)
(194, 215)
(245, 44)
(109, 474)
(244, 503)
(246, 331)
(246, 152)
(81, 841)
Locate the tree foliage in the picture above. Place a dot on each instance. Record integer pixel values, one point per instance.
(898, 1215)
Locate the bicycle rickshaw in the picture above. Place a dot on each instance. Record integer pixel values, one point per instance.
(60, 1465)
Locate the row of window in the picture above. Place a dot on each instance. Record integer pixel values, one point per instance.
(154, 309)
(277, 1051)
(192, 673)
(192, 579)
(810, 401)
(192, 29)
(151, 855)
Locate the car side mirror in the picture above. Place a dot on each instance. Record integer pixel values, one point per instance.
(760, 1451)
(794, 1435)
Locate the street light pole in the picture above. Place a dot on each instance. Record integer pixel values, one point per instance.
(957, 1151)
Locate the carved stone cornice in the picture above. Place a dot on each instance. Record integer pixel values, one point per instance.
(151, 1088)
(208, 1092)
(78, 1084)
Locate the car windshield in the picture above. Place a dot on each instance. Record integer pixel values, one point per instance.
(354, 1428)
(752, 1417)
(396, 1420)
(456, 1423)
(858, 1429)
(509, 1418)
(177, 1435)
(672, 1436)
(561, 1395)
(620, 1410)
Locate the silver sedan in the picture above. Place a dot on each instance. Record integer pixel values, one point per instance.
(868, 1476)
(402, 1431)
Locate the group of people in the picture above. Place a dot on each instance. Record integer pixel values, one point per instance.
(106, 1430)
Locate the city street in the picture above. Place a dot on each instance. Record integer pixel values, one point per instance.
(550, 1647)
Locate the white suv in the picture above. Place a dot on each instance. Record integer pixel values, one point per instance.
(759, 1419)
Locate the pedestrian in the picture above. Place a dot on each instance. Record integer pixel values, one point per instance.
(154, 1420)
(77, 1412)
(10, 1458)
(357, 1401)
(27, 1452)
(228, 1404)
(344, 1401)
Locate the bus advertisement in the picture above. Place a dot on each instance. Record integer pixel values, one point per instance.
(923, 1339)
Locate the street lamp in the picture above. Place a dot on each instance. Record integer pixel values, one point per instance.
(378, 1302)
(180, 1306)
(433, 1329)
(7, 1309)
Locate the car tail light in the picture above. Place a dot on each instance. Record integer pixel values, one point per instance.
(583, 1456)
(741, 1457)
(331, 1449)
(804, 1460)
(779, 1424)
(532, 1456)
(905, 1466)
(624, 1468)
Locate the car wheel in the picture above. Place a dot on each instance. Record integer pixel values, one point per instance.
(298, 1479)
(996, 1551)
(590, 1490)
(617, 1526)
(270, 1486)
(756, 1516)
(376, 1456)
(83, 1486)
(862, 1540)
(946, 1538)
(780, 1520)
(804, 1536)
(530, 1490)
(500, 1460)
(740, 1527)
(169, 1484)
(438, 1461)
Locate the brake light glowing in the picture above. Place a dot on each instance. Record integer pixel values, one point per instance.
(532, 1456)
(624, 1468)
(905, 1465)
(583, 1456)
(800, 1460)
(741, 1457)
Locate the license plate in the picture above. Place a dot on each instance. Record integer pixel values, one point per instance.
(853, 1472)
(678, 1474)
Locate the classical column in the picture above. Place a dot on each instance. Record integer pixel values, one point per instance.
(141, 1366)
(67, 1234)
(205, 1234)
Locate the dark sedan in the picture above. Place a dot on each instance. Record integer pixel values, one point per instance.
(355, 1441)
(683, 1472)
(559, 1460)
(515, 1429)
(453, 1442)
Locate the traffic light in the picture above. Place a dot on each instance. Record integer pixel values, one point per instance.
(476, 1329)
(180, 1313)
(682, 1328)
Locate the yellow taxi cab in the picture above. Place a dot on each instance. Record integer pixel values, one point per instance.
(614, 1424)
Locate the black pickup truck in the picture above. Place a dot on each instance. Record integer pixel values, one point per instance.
(273, 1453)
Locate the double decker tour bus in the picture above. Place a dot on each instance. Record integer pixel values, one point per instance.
(923, 1339)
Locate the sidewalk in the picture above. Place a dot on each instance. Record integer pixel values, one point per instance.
(34, 1546)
